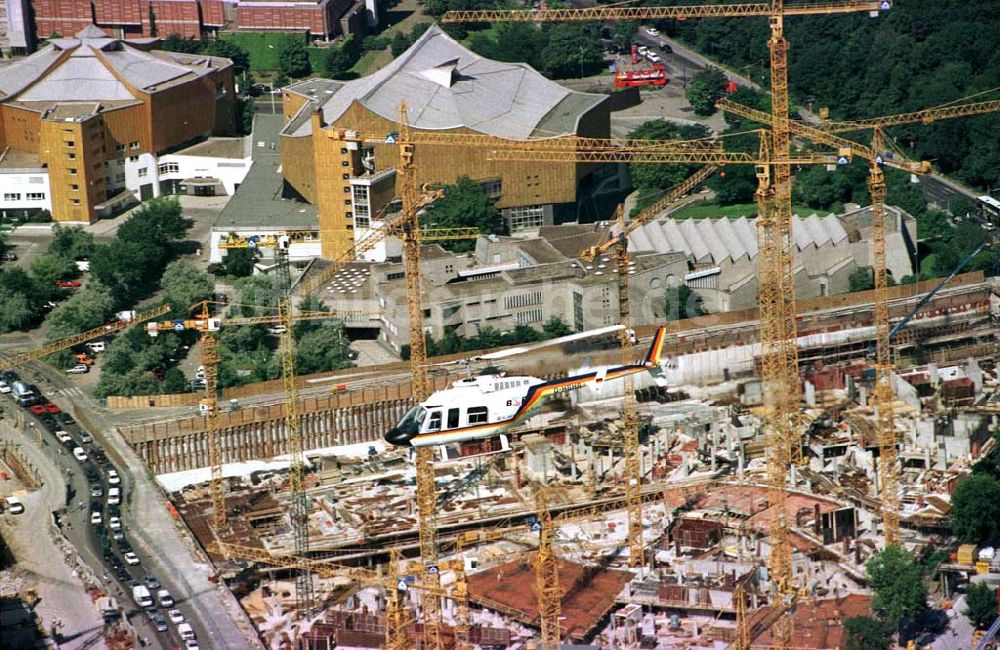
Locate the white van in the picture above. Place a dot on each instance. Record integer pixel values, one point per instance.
(114, 496)
(141, 596)
(96, 346)
(185, 631)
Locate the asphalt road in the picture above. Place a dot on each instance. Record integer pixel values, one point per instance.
(151, 532)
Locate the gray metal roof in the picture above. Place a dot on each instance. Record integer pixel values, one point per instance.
(715, 240)
(85, 68)
(447, 86)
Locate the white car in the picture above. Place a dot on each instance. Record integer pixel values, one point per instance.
(4, 387)
(191, 644)
(166, 600)
(277, 329)
(131, 558)
(200, 372)
(176, 616)
(78, 369)
(652, 31)
(14, 505)
(643, 50)
(653, 57)
(95, 518)
(113, 478)
(114, 496)
(115, 523)
(79, 454)
(63, 437)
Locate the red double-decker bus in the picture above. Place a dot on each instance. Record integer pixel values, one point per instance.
(652, 76)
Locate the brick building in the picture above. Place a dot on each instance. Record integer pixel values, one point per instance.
(83, 120)
(193, 18)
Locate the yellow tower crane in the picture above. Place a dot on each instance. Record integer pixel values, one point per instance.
(776, 289)
(630, 419)
(878, 157)
(547, 587)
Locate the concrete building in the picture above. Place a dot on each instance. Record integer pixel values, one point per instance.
(722, 253)
(448, 88)
(95, 115)
(15, 27)
(193, 18)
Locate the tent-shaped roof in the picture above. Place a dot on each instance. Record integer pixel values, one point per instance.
(447, 86)
(92, 67)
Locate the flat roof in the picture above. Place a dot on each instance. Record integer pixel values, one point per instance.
(217, 148)
(17, 159)
(259, 202)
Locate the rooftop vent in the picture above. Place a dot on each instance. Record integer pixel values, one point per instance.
(442, 74)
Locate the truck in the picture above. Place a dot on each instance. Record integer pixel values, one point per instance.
(141, 596)
(23, 393)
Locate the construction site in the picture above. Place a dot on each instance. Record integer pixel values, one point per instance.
(724, 489)
(729, 498)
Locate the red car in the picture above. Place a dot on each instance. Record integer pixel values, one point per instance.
(37, 409)
(67, 284)
(51, 408)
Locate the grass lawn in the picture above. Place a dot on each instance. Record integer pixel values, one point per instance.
(708, 210)
(263, 50)
(927, 265)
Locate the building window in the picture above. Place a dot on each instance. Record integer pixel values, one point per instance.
(120, 178)
(75, 201)
(142, 172)
(72, 171)
(70, 143)
(360, 194)
(71, 156)
(11, 196)
(528, 317)
(347, 189)
(477, 415)
(133, 158)
(36, 196)
(493, 187)
(523, 300)
(133, 145)
(74, 187)
(119, 148)
(526, 217)
(169, 168)
(395, 276)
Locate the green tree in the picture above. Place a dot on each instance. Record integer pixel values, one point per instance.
(897, 585)
(258, 291)
(16, 313)
(152, 22)
(466, 204)
(707, 87)
(71, 242)
(571, 50)
(86, 309)
(399, 44)
(337, 61)
(128, 268)
(174, 381)
(651, 179)
(975, 509)
(520, 43)
(293, 58)
(321, 349)
(228, 50)
(861, 279)
(865, 633)
(177, 43)
(49, 268)
(239, 262)
(622, 34)
(682, 302)
(555, 327)
(981, 604)
(185, 285)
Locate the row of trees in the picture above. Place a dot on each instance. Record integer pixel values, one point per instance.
(490, 337)
(465, 205)
(921, 53)
(559, 50)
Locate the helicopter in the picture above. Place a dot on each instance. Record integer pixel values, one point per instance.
(484, 406)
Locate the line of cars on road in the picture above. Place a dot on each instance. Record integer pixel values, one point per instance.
(105, 503)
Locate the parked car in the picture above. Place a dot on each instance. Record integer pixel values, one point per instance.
(79, 454)
(96, 491)
(152, 583)
(652, 31)
(8, 257)
(67, 284)
(85, 359)
(14, 505)
(176, 616)
(78, 369)
(131, 558)
(51, 408)
(96, 346)
(37, 409)
(113, 477)
(160, 623)
(95, 518)
(115, 523)
(65, 438)
(166, 600)
(277, 329)
(114, 496)
(66, 418)
(4, 387)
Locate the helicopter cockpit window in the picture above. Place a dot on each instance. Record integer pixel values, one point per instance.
(410, 424)
(478, 415)
(434, 424)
